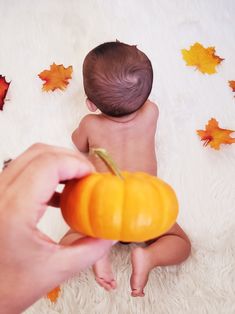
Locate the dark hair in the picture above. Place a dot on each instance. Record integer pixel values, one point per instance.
(117, 78)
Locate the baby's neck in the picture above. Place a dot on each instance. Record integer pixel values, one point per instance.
(122, 119)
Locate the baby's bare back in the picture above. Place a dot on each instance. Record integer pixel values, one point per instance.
(130, 140)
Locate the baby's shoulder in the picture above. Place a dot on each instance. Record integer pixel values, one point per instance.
(90, 122)
(90, 119)
(150, 109)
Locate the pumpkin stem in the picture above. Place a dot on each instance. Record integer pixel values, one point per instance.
(103, 154)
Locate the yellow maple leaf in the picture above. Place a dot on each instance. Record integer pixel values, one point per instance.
(56, 78)
(204, 59)
(214, 135)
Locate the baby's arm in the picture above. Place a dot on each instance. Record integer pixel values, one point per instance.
(80, 137)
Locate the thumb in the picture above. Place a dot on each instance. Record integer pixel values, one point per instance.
(83, 253)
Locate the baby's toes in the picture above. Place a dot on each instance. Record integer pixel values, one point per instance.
(107, 285)
(113, 284)
(102, 283)
(137, 293)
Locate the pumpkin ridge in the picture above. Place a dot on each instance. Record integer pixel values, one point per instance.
(89, 204)
(170, 192)
(143, 179)
(90, 207)
(166, 192)
(154, 184)
(140, 181)
(123, 206)
(133, 184)
(65, 203)
(165, 220)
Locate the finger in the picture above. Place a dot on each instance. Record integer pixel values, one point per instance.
(20, 162)
(16, 166)
(37, 183)
(83, 253)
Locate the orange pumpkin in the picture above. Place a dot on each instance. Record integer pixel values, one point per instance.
(130, 207)
(135, 208)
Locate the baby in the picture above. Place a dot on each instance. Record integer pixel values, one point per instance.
(117, 81)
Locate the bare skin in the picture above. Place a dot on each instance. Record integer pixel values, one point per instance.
(131, 140)
(31, 263)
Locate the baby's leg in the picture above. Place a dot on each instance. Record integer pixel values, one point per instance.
(104, 274)
(70, 237)
(169, 249)
(102, 268)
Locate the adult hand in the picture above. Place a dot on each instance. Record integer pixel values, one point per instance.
(31, 264)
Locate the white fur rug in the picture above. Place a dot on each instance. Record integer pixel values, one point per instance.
(34, 34)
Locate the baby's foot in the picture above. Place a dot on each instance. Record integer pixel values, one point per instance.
(140, 271)
(103, 273)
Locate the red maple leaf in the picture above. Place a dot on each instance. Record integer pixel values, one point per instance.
(4, 85)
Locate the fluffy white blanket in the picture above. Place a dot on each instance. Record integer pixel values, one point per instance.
(34, 34)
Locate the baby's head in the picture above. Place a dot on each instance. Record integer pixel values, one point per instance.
(117, 78)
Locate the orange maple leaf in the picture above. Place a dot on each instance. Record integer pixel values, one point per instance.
(232, 85)
(54, 294)
(56, 78)
(4, 85)
(204, 59)
(214, 135)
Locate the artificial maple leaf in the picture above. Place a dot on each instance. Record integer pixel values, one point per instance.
(232, 85)
(54, 294)
(4, 85)
(214, 135)
(56, 78)
(204, 59)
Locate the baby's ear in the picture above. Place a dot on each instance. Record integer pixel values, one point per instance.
(92, 107)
